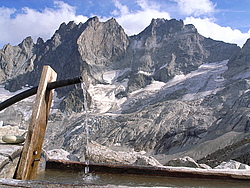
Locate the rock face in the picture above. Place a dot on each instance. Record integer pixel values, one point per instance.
(101, 154)
(60, 154)
(9, 158)
(186, 162)
(232, 165)
(16, 60)
(168, 90)
(239, 64)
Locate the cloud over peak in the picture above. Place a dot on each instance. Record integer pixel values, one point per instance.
(195, 8)
(15, 25)
(135, 21)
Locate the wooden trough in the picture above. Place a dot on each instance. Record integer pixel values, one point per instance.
(178, 172)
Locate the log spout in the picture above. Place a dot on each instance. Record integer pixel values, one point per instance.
(33, 91)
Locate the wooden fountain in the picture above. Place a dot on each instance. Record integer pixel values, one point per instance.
(30, 157)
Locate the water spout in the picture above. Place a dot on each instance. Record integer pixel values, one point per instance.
(33, 91)
(86, 125)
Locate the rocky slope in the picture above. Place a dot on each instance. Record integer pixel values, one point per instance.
(168, 90)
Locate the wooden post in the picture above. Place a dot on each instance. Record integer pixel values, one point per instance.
(28, 163)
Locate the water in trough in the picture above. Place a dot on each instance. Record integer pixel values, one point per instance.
(135, 180)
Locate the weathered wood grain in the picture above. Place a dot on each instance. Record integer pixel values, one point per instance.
(28, 164)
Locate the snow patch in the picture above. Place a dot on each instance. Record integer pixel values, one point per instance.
(103, 97)
(204, 81)
(5, 94)
(154, 86)
(146, 73)
(109, 76)
(163, 66)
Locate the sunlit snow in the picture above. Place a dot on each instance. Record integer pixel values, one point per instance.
(206, 80)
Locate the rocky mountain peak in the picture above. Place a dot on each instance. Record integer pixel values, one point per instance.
(92, 21)
(16, 60)
(27, 43)
(168, 47)
(172, 25)
(247, 43)
(101, 45)
(168, 28)
(39, 41)
(164, 49)
(239, 64)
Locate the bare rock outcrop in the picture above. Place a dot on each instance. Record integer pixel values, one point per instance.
(102, 154)
(60, 154)
(232, 165)
(186, 162)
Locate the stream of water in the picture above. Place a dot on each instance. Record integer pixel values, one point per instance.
(86, 125)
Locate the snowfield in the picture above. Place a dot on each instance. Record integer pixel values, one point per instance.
(206, 80)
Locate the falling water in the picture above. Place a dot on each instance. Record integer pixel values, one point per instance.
(86, 125)
(87, 177)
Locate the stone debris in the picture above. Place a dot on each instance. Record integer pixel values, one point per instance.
(204, 166)
(10, 130)
(9, 157)
(186, 162)
(232, 165)
(147, 161)
(102, 154)
(60, 154)
(9, 153)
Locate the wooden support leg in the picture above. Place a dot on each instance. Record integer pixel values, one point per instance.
(28, 163)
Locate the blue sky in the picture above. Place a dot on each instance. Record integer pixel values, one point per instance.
(226, 20)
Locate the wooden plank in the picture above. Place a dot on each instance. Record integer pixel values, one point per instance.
(28, 164)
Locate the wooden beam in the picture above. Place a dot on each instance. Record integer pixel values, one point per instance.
(28, 163)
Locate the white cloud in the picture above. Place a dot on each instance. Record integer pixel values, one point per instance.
(195, 7)
(135, 22)
(15, 27)
(6, 12)
(201, 15)
(208, 28)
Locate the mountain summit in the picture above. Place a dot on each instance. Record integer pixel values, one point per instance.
(168, 90)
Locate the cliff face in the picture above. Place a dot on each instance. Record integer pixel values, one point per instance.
(164, 49)
(16, 60)
(168, 90)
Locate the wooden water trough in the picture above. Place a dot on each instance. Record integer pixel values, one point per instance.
(167, 171)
